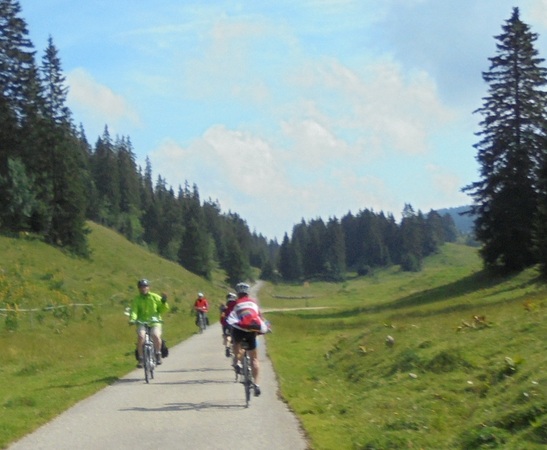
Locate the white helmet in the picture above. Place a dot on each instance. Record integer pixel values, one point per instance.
(242, 288)
(231, 297)
(200, 294)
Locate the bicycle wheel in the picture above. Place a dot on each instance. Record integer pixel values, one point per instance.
(148, 363)
(202, 323)
(247, 378)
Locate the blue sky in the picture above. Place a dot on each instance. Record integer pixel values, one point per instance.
(285, 110)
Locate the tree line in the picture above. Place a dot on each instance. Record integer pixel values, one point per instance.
(360, 243)
(52, 180)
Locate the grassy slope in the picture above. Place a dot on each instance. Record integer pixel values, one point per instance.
(53, 359)
(442, 385)
(449, 381)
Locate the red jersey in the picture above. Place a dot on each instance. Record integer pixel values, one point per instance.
(201, 304)
(246, 316)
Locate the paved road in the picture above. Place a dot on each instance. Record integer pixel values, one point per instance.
(193, 403)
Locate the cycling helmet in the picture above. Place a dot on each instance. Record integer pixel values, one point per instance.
(143, 282)
(231, 297)
(200, 294)
(242, 288)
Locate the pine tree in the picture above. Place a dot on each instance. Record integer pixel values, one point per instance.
(335, 251)
(105, 171)
(62, 161)
(289, 265)
(16, 58)
(17, 68)
(18, 199)
(511, 149)
(55, 91)
(412, 232)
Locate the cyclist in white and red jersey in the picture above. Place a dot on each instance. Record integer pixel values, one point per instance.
(247, 322)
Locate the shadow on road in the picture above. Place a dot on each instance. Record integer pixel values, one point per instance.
(207, 369)
(187, 407)
(193, 382)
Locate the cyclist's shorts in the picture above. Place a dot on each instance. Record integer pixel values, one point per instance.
(154, 331)
(241, 336)
(226, 330)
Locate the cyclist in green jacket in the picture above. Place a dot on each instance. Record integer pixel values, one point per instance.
(148, 307)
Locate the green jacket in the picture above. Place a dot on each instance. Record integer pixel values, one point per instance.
(146, 308)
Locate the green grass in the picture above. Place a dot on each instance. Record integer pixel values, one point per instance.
(52, 359)
(449, 381)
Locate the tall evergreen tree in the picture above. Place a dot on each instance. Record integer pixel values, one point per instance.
(511, 149)
(105, 170)
(17, 69)
(63, 161)
(16, 58)
(55, 90)
(335, 251)
(18, 197)
(288, 265)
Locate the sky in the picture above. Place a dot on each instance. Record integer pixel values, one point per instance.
(285, 110)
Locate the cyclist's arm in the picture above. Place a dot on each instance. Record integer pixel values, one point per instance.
(133, 312)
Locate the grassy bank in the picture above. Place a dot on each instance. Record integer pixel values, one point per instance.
(52, 358)
(464, 366)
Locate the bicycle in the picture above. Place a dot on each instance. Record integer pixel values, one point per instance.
(246, 372)
(201, 321)
(148, 352)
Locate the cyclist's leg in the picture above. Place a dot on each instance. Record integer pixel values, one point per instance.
(155, 333)
(237, 336)
(140, 340)
(253, 353)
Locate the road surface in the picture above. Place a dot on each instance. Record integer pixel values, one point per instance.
(193, 403)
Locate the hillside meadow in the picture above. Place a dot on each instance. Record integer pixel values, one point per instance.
(448, 358)
(52, 358)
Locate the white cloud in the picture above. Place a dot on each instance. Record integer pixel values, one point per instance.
(96, 102)
(383, 109)
(253, 178)
(445, 187)
(538, 10)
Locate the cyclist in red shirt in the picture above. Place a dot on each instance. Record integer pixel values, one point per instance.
(201, 306)
(225, 310)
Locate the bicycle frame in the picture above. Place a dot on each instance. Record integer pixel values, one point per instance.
(248, 383)
(202, 321)
(148, 353)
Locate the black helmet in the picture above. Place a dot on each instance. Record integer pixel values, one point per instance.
(143, 282)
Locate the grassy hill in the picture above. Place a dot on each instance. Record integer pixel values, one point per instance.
(465, 366)
(448, 358)
(84, 343)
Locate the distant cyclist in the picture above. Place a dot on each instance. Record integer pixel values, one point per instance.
(225, 309)
(148, 307)
(201, 306)
(246, 321)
